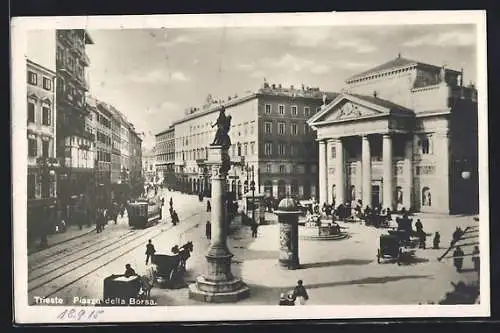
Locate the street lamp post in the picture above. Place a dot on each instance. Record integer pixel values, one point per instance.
(252, 188)
(48, 174)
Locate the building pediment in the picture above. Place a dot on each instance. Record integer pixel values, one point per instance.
(348, 110)
(348, 107)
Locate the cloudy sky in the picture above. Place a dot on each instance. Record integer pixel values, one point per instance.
(152, 76)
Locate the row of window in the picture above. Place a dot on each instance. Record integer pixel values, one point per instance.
(33, 80)
(37, 189)
(285, 149)
(294, 128)
(103, 138)
(294, 111)
(295, 169)
(165, 157)
(103, 156)
(33, 148)
(68, 61)
(46, 114)
(165, 146)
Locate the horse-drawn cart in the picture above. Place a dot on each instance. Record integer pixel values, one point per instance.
(170, 269)
(392, 249)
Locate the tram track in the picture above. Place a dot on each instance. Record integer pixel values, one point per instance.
(112, 242)
(74, 250)
(109, 256)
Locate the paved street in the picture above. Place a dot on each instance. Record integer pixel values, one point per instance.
(334, 272)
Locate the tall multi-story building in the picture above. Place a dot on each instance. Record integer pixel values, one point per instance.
(75, 144)
(269, 133)
(165, 156)
(136, 179)
(100, 118)
(124, 145)
(149, 166)
(41, 136)
(402, 134)
(116, 170)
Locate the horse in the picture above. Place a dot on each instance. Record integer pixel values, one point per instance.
(185, 253)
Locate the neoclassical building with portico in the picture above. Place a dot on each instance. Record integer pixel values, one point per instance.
(402, 134)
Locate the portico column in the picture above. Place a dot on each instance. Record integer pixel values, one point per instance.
(323, 180)
(408, 174)
(339, 172)
(366, 169)
(387, 174)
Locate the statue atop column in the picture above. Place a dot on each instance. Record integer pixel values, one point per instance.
(223, 124)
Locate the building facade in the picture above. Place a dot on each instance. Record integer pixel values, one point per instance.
(269, 134)
(41, 136)
(76, 145)
(403, 134)
(165, 157)
(101, 118)
(149, 166)
(136, 178)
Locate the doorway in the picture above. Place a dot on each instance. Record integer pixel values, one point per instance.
(375, 196)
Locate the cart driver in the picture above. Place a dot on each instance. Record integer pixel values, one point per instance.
(129, 271)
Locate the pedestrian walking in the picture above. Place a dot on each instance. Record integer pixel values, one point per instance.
(436, 240)
(208, 230)
(171, 203)
(99, 221)
(150, 251)
(300, 293)
(255, 227)
(475, 258)
(209, 206)
(458, 259)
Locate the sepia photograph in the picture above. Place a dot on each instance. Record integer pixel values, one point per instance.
(220, 167)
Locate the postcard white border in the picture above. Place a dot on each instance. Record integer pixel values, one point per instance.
(23, 313)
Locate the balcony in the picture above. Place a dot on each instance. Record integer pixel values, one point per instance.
(85, 59)
(63, 68)
(66, 37)
(81, 81)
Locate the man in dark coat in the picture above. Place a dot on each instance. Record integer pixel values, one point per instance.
(300, 293)
(150, 251)
(458, 259)
(129, 271)
(208, 230)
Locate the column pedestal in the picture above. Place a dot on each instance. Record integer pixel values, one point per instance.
(218, 285)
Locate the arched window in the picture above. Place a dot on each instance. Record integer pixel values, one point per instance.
(426, 197)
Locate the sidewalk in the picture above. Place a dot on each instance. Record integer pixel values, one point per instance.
(71, 233)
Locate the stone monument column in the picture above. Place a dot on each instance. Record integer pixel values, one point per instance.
(288, 218)
(218, 285)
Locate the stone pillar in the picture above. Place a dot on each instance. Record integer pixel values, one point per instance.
(323, 172)
(388, 191)
(366, 170)
(288, 218)
(339, 172)
(408, 174)
(218, 285)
